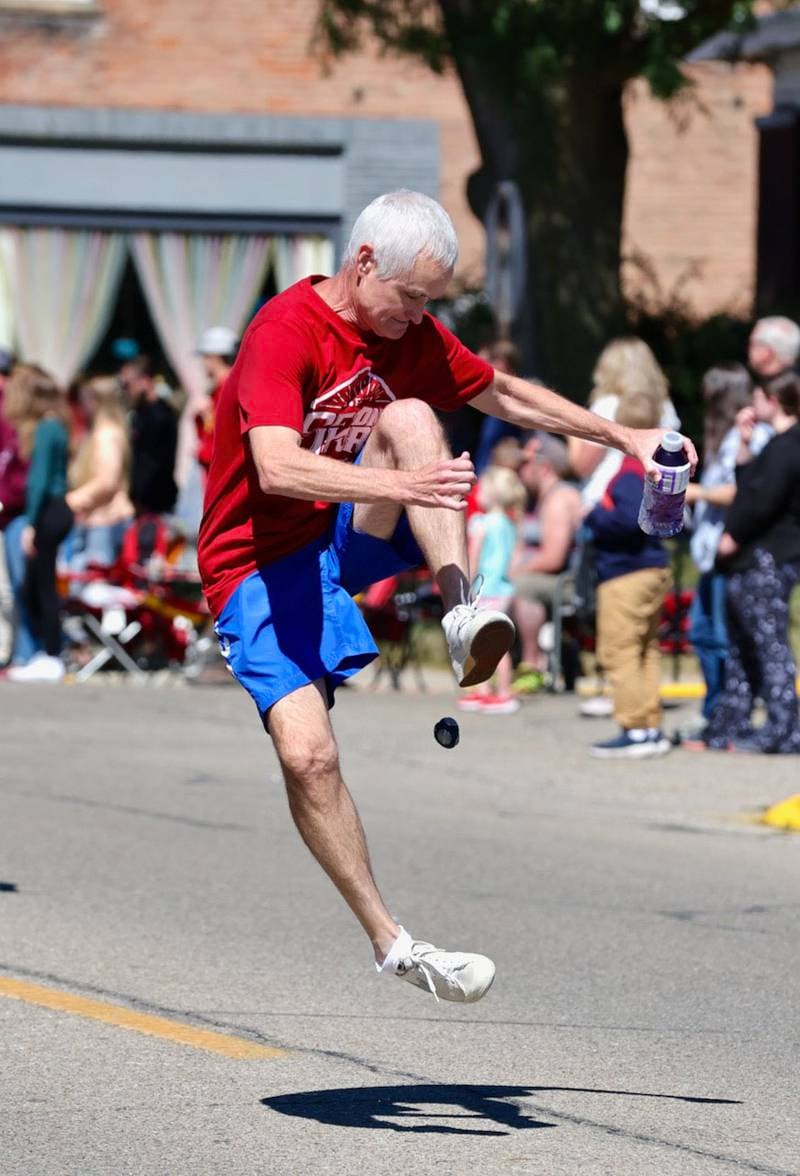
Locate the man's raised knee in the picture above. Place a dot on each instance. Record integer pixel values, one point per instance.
(410, 416)
(411, 431)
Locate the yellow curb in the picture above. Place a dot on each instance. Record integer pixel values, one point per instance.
(690, 689)
(785, 815)
(682, 690)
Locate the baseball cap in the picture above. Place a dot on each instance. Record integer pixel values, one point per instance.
(217, 341)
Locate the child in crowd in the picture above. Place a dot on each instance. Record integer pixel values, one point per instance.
(492, 539)
(633, 579)
(43, 437)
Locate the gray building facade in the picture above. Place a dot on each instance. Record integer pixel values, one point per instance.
(137, 169)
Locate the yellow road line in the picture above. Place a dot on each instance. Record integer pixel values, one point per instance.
(123, 1018)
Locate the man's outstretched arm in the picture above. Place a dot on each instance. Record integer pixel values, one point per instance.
(532, 406)
(284, 468)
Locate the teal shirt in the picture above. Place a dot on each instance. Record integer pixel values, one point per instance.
(47, 476)
(497, 548)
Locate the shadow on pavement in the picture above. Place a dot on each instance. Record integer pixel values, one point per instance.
(382, 1106)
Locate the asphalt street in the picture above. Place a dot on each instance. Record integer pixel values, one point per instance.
(161, 921)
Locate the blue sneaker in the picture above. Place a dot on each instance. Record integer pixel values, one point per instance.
(632, 743)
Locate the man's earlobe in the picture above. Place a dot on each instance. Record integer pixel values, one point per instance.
(366, 261)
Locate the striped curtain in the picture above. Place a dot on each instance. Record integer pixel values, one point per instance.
(297, 257)
(63, 284)
(192, 281)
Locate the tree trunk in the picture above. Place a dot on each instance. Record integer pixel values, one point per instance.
(568, 152)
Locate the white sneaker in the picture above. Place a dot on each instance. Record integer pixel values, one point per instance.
(597, 707)
(41, 668)
(476, 638)
(449, 975)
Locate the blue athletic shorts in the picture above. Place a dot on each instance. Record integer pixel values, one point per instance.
(295, 621)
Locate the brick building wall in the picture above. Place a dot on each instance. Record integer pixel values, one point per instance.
(691, 198)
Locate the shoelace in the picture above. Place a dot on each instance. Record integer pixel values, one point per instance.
(420, 949)
(474, 592)
(470, 598)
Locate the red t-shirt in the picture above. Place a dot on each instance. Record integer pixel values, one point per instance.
(302, 366)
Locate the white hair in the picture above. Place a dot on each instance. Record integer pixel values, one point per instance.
(400, 226)
(781, 335)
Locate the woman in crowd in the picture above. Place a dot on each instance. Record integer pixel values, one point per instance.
(36, 407)
(98, 478)
(727, 391)
(760, 554)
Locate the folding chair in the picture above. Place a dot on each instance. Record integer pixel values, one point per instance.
(574, 610)
(107, 613)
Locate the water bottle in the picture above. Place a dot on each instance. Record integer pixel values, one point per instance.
(661, 512)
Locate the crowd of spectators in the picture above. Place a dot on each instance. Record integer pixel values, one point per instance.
(743, 519)
(76, 470)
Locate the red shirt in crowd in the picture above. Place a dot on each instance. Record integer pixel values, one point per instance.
(13, 472)
(204, 427)
(302, 366)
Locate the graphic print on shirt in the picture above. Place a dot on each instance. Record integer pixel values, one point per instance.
(340, 420)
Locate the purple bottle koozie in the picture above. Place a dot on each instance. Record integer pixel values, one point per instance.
(661, 512)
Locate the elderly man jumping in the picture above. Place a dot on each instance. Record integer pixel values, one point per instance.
(331, 471)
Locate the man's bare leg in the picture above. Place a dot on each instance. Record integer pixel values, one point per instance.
(323, 808)
(408, 436)
(328, 822)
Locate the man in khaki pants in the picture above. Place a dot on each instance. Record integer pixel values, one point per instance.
(633, 580)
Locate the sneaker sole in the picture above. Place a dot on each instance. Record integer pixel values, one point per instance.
(637, 751)
(491, 643)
